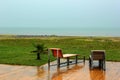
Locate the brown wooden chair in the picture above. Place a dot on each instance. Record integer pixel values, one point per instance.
(97, 55)
(57, 53)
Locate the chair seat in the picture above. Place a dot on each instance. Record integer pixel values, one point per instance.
(69, 55)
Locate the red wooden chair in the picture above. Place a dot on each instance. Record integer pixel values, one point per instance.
(57, 53)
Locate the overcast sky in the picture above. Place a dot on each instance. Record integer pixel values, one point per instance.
(60, 13)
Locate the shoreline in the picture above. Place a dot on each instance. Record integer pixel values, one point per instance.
(22, 35)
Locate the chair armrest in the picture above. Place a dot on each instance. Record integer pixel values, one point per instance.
(90, 57)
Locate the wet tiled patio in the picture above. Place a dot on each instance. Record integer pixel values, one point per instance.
(73, 72)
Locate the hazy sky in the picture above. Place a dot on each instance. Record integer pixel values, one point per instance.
(60, 13)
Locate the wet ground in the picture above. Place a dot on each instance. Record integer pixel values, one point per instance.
(73, 72)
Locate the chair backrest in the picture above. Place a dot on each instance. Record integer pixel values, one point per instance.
(57, 52)
(98, 54)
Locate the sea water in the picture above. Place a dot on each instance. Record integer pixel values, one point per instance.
(113, 32)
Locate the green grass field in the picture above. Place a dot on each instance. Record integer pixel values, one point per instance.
(17, 50)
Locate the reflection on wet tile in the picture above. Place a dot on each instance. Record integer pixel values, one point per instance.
(73, 72)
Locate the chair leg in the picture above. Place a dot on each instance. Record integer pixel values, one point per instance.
(67, 61)
(76, 59)
(103, 64)
(84, 59)
(48, 63)
(104, 67)
(58, 62)
(100, 63)
(90, 63)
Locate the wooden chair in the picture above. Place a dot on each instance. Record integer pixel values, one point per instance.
(57, 53)
(97, 55)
